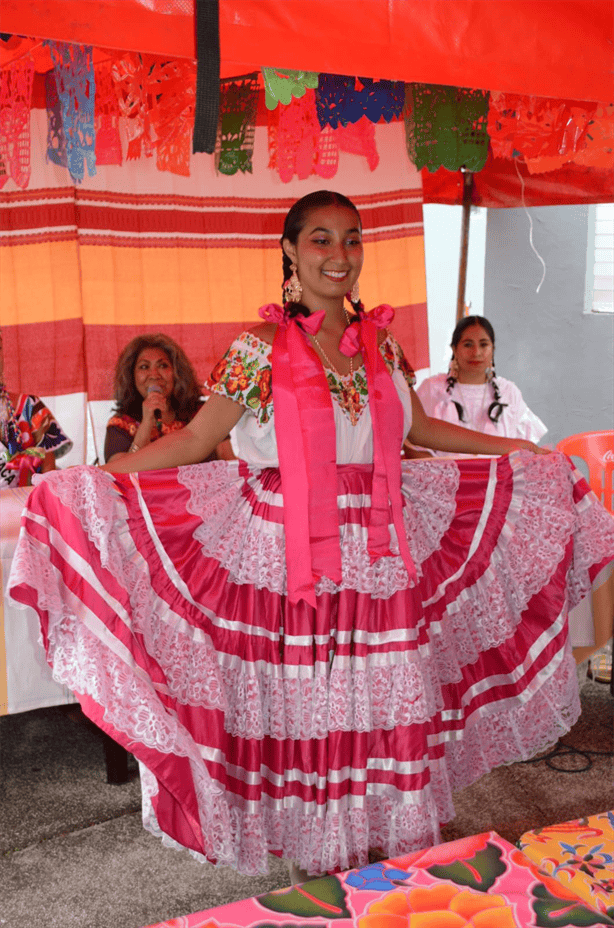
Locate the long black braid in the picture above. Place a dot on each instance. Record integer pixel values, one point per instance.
(495, 410)
(295, 221)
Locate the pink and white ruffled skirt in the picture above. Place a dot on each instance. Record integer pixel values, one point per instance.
(319, 734)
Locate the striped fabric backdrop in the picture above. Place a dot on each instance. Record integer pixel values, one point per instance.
(132, 250)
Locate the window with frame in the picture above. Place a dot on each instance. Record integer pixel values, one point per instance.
(600, 259)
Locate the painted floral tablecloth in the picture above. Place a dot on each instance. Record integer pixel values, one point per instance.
(580, 855)
(477, 882)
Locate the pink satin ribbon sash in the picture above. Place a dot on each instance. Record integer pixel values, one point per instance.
(387, 417)
(306, 443)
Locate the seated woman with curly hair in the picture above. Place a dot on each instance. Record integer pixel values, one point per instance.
(156, 392)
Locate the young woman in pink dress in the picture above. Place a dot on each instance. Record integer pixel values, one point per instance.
(311, 647)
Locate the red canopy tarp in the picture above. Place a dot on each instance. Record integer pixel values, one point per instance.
(545, 48)
(550, 48)
(499, 185)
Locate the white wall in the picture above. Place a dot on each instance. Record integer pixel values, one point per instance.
(442, 236)
(561, 357)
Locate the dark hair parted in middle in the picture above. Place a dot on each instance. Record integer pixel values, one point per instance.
(496, 408)
(295, 222)
(466, 322)
(185, 400)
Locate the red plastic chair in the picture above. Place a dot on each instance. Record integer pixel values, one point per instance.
(597, 450)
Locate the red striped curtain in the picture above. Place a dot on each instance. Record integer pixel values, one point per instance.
(133, 249)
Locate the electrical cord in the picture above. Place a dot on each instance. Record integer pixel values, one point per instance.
(563, 750)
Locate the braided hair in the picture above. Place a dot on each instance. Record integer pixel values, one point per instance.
(295, 221)
(496, 408)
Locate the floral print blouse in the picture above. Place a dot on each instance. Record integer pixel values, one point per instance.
(243, 374)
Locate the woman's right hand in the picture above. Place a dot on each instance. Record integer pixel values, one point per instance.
(154, 400)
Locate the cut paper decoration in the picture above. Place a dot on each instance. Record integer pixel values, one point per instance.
(173, 97)
(235, 139)
(157, 97)
(106, 118)
(131, 76)
(282, 86)
(15, 97)
(546, 133)
(446, 127)
(340, 100)
(75, 83)
(56, 141)
(359, 139)
(297, 145)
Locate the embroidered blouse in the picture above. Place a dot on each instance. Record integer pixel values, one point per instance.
(244, 375)
(37, 429)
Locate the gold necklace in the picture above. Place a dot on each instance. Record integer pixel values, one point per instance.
(325, 356)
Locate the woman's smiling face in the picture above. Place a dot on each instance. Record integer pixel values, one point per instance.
(328, 254)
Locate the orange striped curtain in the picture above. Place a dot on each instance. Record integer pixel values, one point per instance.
(131, 250)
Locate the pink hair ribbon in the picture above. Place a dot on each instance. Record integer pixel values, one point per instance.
(387, 417)
(381, 316)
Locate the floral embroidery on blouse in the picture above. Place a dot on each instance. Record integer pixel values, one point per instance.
(244, 375)
(131, 426)
(394, 358)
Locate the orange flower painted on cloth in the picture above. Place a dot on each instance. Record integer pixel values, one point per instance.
(439, 906)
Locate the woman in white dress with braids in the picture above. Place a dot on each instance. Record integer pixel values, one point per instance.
(472, 395)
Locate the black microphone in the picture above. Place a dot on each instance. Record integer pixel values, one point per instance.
(155, 388)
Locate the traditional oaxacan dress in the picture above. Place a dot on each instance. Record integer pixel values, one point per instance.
(308, 649)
